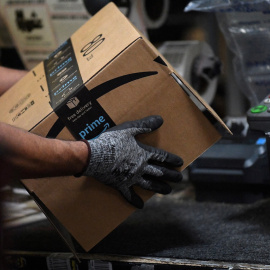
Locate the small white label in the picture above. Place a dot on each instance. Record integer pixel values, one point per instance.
(58, 262)
(99, 265)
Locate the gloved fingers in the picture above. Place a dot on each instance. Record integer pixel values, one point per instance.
(162, 156)
(155, 185)
(130, 195)
(173, 160)
(152, 170)
(167, 175)
(143, 125)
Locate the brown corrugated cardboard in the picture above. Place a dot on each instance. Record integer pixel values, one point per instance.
(107, 73)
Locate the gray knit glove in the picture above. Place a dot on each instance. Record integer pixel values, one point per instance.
(118, 160)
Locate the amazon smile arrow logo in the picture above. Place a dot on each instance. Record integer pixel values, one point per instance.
(106, 126)
(112, 84)
(87, 127)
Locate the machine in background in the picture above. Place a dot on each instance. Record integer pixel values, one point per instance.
(236, 169)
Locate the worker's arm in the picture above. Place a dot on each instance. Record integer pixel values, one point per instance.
(25, 155)
(28, 155)
(9, 77)
(115, 158)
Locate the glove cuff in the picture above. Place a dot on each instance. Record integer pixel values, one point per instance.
(88, 160)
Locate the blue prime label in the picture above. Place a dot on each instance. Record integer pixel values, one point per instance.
(84, 116)
(78, 110)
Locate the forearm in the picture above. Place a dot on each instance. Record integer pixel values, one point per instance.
(9, 77)
(32, 156)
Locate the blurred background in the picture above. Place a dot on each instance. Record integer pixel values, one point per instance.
(31, 30)
(221, 49)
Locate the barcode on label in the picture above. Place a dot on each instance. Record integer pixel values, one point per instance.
(99, 265)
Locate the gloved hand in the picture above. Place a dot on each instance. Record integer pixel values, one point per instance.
(119, 160)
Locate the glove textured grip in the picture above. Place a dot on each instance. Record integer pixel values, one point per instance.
(117, 159)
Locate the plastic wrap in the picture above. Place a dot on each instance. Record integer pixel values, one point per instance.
(246, 28)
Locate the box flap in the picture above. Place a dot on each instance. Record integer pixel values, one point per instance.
(101, 39)
(87, 52)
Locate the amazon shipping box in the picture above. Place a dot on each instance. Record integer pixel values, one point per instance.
(105, 74)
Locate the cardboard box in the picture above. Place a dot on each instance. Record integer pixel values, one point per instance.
(105, 74)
